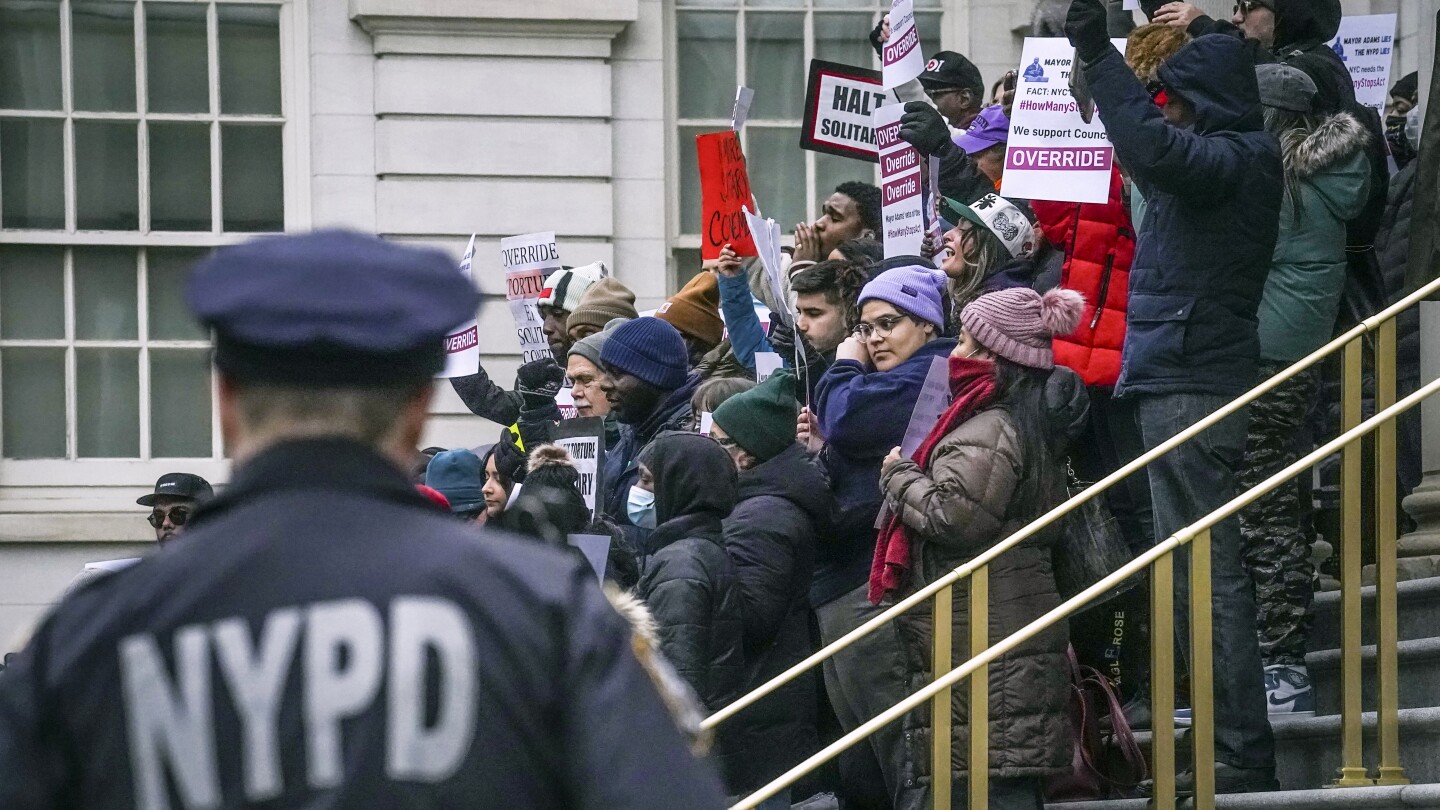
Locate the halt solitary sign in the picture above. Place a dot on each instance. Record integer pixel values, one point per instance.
(839, 101)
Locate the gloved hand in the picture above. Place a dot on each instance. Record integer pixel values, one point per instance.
(1087, 27)
(923, 128)
(781, 337)
(880, 34)
(538, 381)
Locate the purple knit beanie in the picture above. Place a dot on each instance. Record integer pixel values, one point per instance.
(913, 289)
(1019, 323)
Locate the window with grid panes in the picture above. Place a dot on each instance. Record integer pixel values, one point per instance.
(134, 135)
(767, 45)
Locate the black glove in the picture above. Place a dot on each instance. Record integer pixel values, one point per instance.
(538, 381)
(1087, 26)
(875, 36)
(923, 128)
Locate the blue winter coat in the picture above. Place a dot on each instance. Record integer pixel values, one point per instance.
(862, 417)
(1213, 194)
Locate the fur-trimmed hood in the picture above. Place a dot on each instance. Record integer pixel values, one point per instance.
(1336, 139)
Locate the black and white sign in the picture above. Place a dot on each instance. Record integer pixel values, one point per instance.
(839, 101)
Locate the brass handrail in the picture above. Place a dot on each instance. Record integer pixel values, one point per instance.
(984, 558)
(1160, 550)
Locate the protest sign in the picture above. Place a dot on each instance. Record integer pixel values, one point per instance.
(901, 57)
(724, 193)
(584, 437)
(528, 259)
(462, 347)
(565, 401)
(1365, 44)
(933, 400)
(596, 548)
(766, 235)
(901, 204)
(839, 103)
(707, 421)
(741, 111)
(766, 364)
(1052, 153)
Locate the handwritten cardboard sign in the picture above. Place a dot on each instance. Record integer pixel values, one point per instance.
(724, 193)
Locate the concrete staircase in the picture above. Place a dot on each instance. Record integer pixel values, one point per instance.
(1308, 749)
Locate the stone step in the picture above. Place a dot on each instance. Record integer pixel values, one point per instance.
(1398, 797)
(1419, 613)
(1419, 680)
(1307, 749)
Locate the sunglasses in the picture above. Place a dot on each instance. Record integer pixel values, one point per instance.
(1244, 7)
(177, 516)
(1154, 88)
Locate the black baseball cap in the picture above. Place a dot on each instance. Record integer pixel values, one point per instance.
(951, 69)
(178, 485)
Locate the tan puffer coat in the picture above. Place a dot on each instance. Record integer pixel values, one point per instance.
(966, 502)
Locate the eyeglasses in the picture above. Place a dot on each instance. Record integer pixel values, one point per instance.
(1244, 7)
(177, 516)
(883, 326)
(726, 442)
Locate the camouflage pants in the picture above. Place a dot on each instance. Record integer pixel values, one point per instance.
(1277, 549)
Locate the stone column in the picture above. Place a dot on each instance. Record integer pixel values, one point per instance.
(1419, 550)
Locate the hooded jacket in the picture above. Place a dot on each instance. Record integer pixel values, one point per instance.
(621, 472)
(1205, 246)
(968, 499)
(862, 415)
(784, 505)
(1098, 241)
(689, 583)
(1330, 177)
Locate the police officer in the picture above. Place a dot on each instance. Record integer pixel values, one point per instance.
(324, 637)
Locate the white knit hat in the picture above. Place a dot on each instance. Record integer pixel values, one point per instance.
(565, 286)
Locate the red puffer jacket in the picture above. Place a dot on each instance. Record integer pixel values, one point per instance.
(1098, 242)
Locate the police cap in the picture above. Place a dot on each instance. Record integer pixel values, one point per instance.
(331, 308)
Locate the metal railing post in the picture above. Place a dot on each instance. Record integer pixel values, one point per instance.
(1352, 766)
(942, 661)
(1202, 671)
(1162, 680)
(979, 759)
(1387, 672)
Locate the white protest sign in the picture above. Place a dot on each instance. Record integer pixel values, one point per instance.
(741, 111)
(933, 400)
(707, 421)
(584, 439)
(901, 204)
(1052, 154)
(1365, 44)
(565, 401)
(528, 259)
(766, 364)
(839, 102)
(462, 347)
(766, 235)
(596, 548)
(901, 57)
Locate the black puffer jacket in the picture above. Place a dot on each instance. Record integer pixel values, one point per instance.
(1392, 244)
(770, 537)
(689, 583)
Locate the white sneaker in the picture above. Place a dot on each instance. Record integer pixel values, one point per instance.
(1288, 691)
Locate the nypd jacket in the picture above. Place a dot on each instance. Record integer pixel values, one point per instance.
(322, 638)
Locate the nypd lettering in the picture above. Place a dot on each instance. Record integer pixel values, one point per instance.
(346, 657)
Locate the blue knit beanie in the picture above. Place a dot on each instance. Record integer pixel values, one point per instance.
(458, 475)
(914, 289)
(650, 349)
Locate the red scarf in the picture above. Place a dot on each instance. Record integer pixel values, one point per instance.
(972, 386)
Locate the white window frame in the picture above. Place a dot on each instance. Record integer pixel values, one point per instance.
(294, 119)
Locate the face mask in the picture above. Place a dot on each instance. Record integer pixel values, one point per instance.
(640, 508)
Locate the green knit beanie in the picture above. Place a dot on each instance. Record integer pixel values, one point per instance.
(762, 420)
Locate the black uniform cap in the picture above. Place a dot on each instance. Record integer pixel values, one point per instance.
(330, 309)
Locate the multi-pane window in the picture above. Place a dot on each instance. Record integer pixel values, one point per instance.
(133, 135)
(767, 45)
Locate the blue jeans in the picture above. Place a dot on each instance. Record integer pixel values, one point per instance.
(1186, 484)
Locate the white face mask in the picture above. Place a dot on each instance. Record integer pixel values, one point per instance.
(640, 508)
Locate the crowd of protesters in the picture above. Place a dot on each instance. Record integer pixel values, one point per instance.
(1252, 206)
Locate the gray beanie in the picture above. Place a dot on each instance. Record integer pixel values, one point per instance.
(589, 347)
